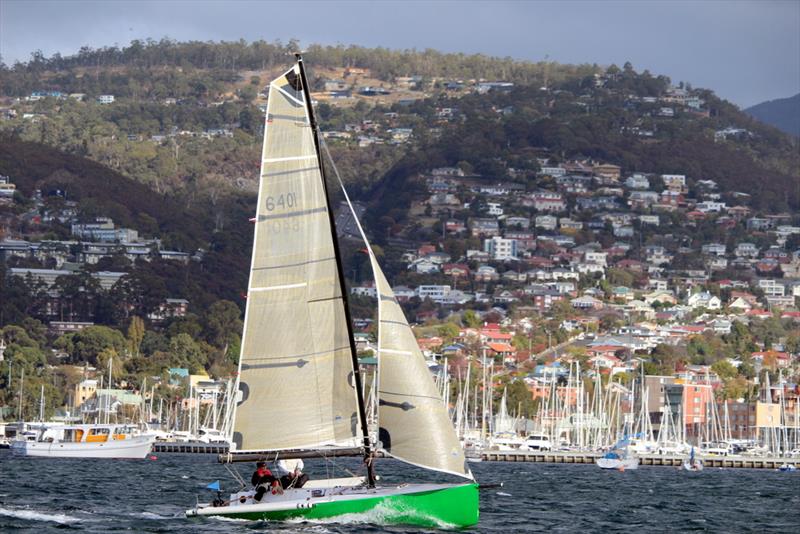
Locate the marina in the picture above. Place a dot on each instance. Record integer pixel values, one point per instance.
(554, 457)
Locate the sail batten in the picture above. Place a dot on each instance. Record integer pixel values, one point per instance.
(295, 358)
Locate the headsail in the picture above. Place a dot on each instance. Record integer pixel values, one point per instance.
(295, 362)
(414, 425)
(413, 420)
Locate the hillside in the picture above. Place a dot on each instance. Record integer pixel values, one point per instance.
(782, 113)
(220, 230)
(632, 123)
(98, 190)
(549, 198)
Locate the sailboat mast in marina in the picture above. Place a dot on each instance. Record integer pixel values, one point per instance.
(299, 378)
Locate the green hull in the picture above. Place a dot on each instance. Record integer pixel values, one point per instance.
(450, 507)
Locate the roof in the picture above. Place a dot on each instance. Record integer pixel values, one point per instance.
(501, 347)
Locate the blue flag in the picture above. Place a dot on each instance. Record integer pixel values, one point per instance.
(214, 485)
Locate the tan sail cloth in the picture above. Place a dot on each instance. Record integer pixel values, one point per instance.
(295, 361)
(413, 420)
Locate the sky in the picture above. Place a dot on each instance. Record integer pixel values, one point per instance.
(746, 51)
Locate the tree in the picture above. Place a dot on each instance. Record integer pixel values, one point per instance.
(223, 320)
(724, 369)
(85, 346)
(135, 335)
(448, 331)
(471, 319)
(519, 397)
(185, 352)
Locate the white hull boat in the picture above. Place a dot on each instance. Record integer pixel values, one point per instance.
(618, 463)
(86, 441)
(696, 466)
(692, 463)
(620, 459)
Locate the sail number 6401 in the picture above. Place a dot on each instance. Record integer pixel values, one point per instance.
(289, 200)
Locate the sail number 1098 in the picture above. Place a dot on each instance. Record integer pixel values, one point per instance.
(289, 200)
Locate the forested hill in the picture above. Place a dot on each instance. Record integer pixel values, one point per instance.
(782, 113)
(626, 123)
(186, 119)
(152, 67)
(216, 231)
(100, 191)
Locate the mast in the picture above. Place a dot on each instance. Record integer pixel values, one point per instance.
(362, 411)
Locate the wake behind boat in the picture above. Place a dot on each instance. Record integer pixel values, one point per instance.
(298, 364)
(85, 441)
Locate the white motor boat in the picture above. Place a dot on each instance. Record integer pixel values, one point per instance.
(86, 441)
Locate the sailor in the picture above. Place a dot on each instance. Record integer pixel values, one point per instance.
(291, 473)
(262, 480)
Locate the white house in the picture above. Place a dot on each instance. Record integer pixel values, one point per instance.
(501, 248)
(435, 293)
(704, 300)
(637, 181)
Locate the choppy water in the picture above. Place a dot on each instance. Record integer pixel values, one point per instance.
(151, 495)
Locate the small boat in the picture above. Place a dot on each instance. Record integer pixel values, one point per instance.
(692, 463)
(85, 441)
(787, 468)
(615, 460)
(620, 457)
(300, 380)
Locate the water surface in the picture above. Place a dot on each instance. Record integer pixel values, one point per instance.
(45, 495)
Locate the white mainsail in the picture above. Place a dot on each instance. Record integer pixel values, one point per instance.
(295, 361)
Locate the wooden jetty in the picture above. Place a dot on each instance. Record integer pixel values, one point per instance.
(575, 457)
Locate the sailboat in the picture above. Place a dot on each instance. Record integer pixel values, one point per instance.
(299, 376)
(620, 457)
(692, 463)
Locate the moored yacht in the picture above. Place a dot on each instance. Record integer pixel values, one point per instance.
(85, 441)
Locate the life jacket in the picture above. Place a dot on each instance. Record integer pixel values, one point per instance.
(264, 472)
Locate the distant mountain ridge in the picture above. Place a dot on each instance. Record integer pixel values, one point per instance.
(782, 113)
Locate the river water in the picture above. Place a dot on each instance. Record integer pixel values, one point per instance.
(44, 495)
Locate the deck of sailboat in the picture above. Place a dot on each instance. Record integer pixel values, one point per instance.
(433, 505)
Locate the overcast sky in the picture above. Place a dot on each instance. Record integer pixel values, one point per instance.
(746, 51)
